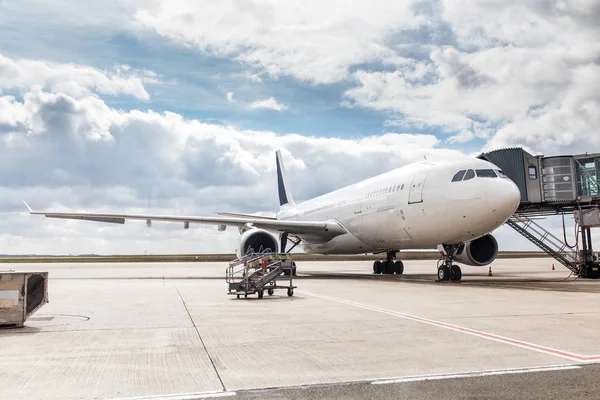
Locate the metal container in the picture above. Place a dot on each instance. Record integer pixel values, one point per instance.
(21, 295)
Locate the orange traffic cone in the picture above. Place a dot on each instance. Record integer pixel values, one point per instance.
(490, 272)
(553, 268)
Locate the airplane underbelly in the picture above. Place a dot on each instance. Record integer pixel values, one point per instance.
(343, 244)
(385, 228)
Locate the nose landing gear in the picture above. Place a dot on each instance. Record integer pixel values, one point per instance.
(447, 271)
(389, 266)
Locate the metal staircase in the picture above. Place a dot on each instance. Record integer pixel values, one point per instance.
(257, 272)
(546, 241)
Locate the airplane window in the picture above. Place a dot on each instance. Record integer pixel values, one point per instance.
(402, 188)
(469, 175)
(486, 173)
(398, 188)
(501, 173)
(459, 175)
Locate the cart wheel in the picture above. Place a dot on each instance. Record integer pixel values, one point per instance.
(260, 294)
(246, 295)
(270, 291)
(290, 292)
(238, 296)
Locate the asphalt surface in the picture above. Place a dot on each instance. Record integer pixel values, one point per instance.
(170, 331)
(581, 383)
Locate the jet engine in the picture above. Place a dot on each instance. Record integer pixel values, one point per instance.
(478, 253)
(257, 240)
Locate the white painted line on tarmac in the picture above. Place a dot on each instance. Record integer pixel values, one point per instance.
(474, 374)
(183, 396)
(497, 338)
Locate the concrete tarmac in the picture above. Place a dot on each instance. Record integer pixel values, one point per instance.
(142, 330)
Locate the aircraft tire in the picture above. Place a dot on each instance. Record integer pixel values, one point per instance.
(457, 273)
(270, 292)
(443, 273)
(399, 267)
(388, 267)
(377, 268)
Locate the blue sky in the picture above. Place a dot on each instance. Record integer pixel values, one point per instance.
(103, 103)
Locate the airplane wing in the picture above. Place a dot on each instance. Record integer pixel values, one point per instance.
(325, 229)
(232, 214)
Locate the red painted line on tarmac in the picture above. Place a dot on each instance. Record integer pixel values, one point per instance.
(457, 328)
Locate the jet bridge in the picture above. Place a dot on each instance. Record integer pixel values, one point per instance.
(567, 184)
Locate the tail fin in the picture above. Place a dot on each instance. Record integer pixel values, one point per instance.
(285, 195)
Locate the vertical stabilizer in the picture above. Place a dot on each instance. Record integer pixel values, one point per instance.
(285, 195)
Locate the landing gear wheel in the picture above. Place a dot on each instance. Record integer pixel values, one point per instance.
(294, 268)
(377, 267)
(290, 292)
(270, 291)
(388, 267)
(238, 296)
(443, 273)
(246, 296)
(260, 294)
(398, 267)
(456, 273)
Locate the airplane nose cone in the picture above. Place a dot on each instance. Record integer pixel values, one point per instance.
(503, 197)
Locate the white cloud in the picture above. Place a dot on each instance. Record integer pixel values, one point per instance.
(229, 96)
(520, 73)
(72, 79)
(269, 103)
(63, 153)
(308, 39)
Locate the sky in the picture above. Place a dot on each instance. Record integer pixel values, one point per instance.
(177, 107)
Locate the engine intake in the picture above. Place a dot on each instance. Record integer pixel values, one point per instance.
(478, 253)
(257, 240)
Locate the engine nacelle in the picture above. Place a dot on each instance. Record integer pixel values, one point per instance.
(478, 253)
(257, 240)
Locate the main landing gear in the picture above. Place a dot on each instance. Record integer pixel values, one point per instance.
(447, 271)
(389, 266)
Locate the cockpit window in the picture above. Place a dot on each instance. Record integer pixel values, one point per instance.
(501, 173)
(469, 175)
(459, 175)
(486, 173)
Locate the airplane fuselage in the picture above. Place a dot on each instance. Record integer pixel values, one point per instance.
(417, 206)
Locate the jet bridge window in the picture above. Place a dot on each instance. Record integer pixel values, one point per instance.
(469, 175)
(459, 175)
(486, 173)
(532, 172)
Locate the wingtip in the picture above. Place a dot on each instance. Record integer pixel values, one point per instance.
(27, 205)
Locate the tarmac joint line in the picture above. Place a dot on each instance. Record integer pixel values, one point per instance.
(485, 335)
(203, 345)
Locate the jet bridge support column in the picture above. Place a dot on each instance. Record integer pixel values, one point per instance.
(590, 264)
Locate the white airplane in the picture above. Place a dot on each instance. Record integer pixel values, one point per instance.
(452, 205)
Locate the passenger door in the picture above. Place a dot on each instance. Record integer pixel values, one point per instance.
(415, 194)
